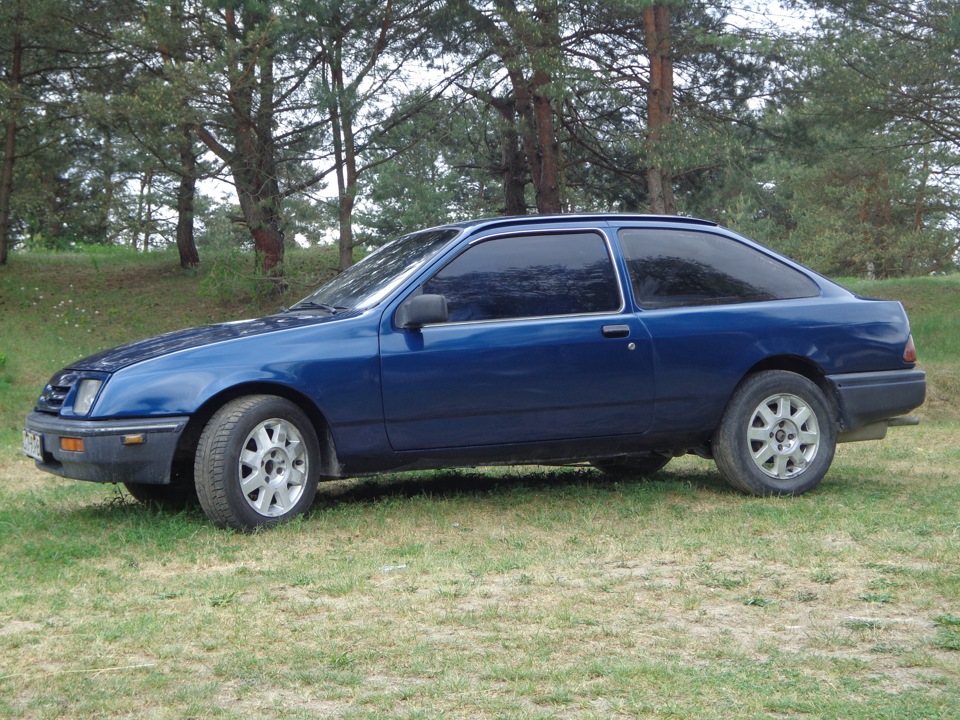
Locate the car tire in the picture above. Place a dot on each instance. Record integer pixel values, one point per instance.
(641, 466)
(777, 435)
(174, 496)
(257, 463)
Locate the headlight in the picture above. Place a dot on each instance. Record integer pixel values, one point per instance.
(86, 393)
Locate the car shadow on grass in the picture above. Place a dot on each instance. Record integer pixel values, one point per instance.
(508, 485)
(507, 482)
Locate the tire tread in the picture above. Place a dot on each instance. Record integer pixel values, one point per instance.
(211, 463)
(736, 469)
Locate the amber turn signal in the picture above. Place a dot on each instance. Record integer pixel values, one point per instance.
(71, 444)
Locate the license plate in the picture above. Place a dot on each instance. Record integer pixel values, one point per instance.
(33, 444)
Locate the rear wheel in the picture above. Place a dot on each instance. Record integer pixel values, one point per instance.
(777, 435)
(640, 466)
(257, 463)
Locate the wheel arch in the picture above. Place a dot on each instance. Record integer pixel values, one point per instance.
(182, 467)
(801, 366)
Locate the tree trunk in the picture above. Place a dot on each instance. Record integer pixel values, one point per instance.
(656, 27)
(526, 124)
(344, 200)
(548, 184)
(252, 169)
(252, 162)
(144, 213)
(349, 197)
(514, 173)
(345, 223)
(513, 163)
(345, 155)
(187, 189)
(535, 114)
(10, 136)
(263, 220)
(6, 187)
(186, 193)
(539, 38)
(270, 247)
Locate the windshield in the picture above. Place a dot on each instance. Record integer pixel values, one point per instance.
(377, 275)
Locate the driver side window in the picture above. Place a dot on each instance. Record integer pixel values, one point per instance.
(529, 276)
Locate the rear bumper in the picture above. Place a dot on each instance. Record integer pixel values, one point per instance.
(139, 450)
(876, 397)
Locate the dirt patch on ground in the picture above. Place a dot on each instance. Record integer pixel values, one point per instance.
(18, 471)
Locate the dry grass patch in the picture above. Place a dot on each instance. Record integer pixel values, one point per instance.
(521, 593)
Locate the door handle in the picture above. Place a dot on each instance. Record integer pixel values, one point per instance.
(616, 331)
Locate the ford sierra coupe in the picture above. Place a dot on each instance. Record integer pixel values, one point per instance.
(614, 340)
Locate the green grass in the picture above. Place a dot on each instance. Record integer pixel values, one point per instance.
(520, 593)
(523, 593)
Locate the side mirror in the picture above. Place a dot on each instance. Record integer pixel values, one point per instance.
(420, 310)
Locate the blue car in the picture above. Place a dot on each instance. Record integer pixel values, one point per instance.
(615, 340)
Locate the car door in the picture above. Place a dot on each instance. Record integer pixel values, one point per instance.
(537, 347)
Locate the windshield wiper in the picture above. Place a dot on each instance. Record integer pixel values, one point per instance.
(314, 305)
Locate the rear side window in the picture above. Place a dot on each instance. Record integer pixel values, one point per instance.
(677, 268)
(529, 276)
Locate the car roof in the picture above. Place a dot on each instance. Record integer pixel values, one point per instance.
(521, 220)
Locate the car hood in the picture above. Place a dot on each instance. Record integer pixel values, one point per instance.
(120, 357)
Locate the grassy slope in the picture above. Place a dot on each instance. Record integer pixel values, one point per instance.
(525, 594)
(57, 308)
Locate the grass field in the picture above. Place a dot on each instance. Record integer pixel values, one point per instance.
(521, 593)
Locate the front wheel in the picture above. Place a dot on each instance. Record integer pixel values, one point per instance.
(777, 435)
(257, 463)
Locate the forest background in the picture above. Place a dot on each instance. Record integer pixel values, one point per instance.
(828, 129)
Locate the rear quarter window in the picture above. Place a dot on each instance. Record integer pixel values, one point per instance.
(678, 268)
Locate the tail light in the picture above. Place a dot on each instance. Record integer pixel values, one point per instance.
(910, 351)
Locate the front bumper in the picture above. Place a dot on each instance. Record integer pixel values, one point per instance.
(875, 398)
(139, 450)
